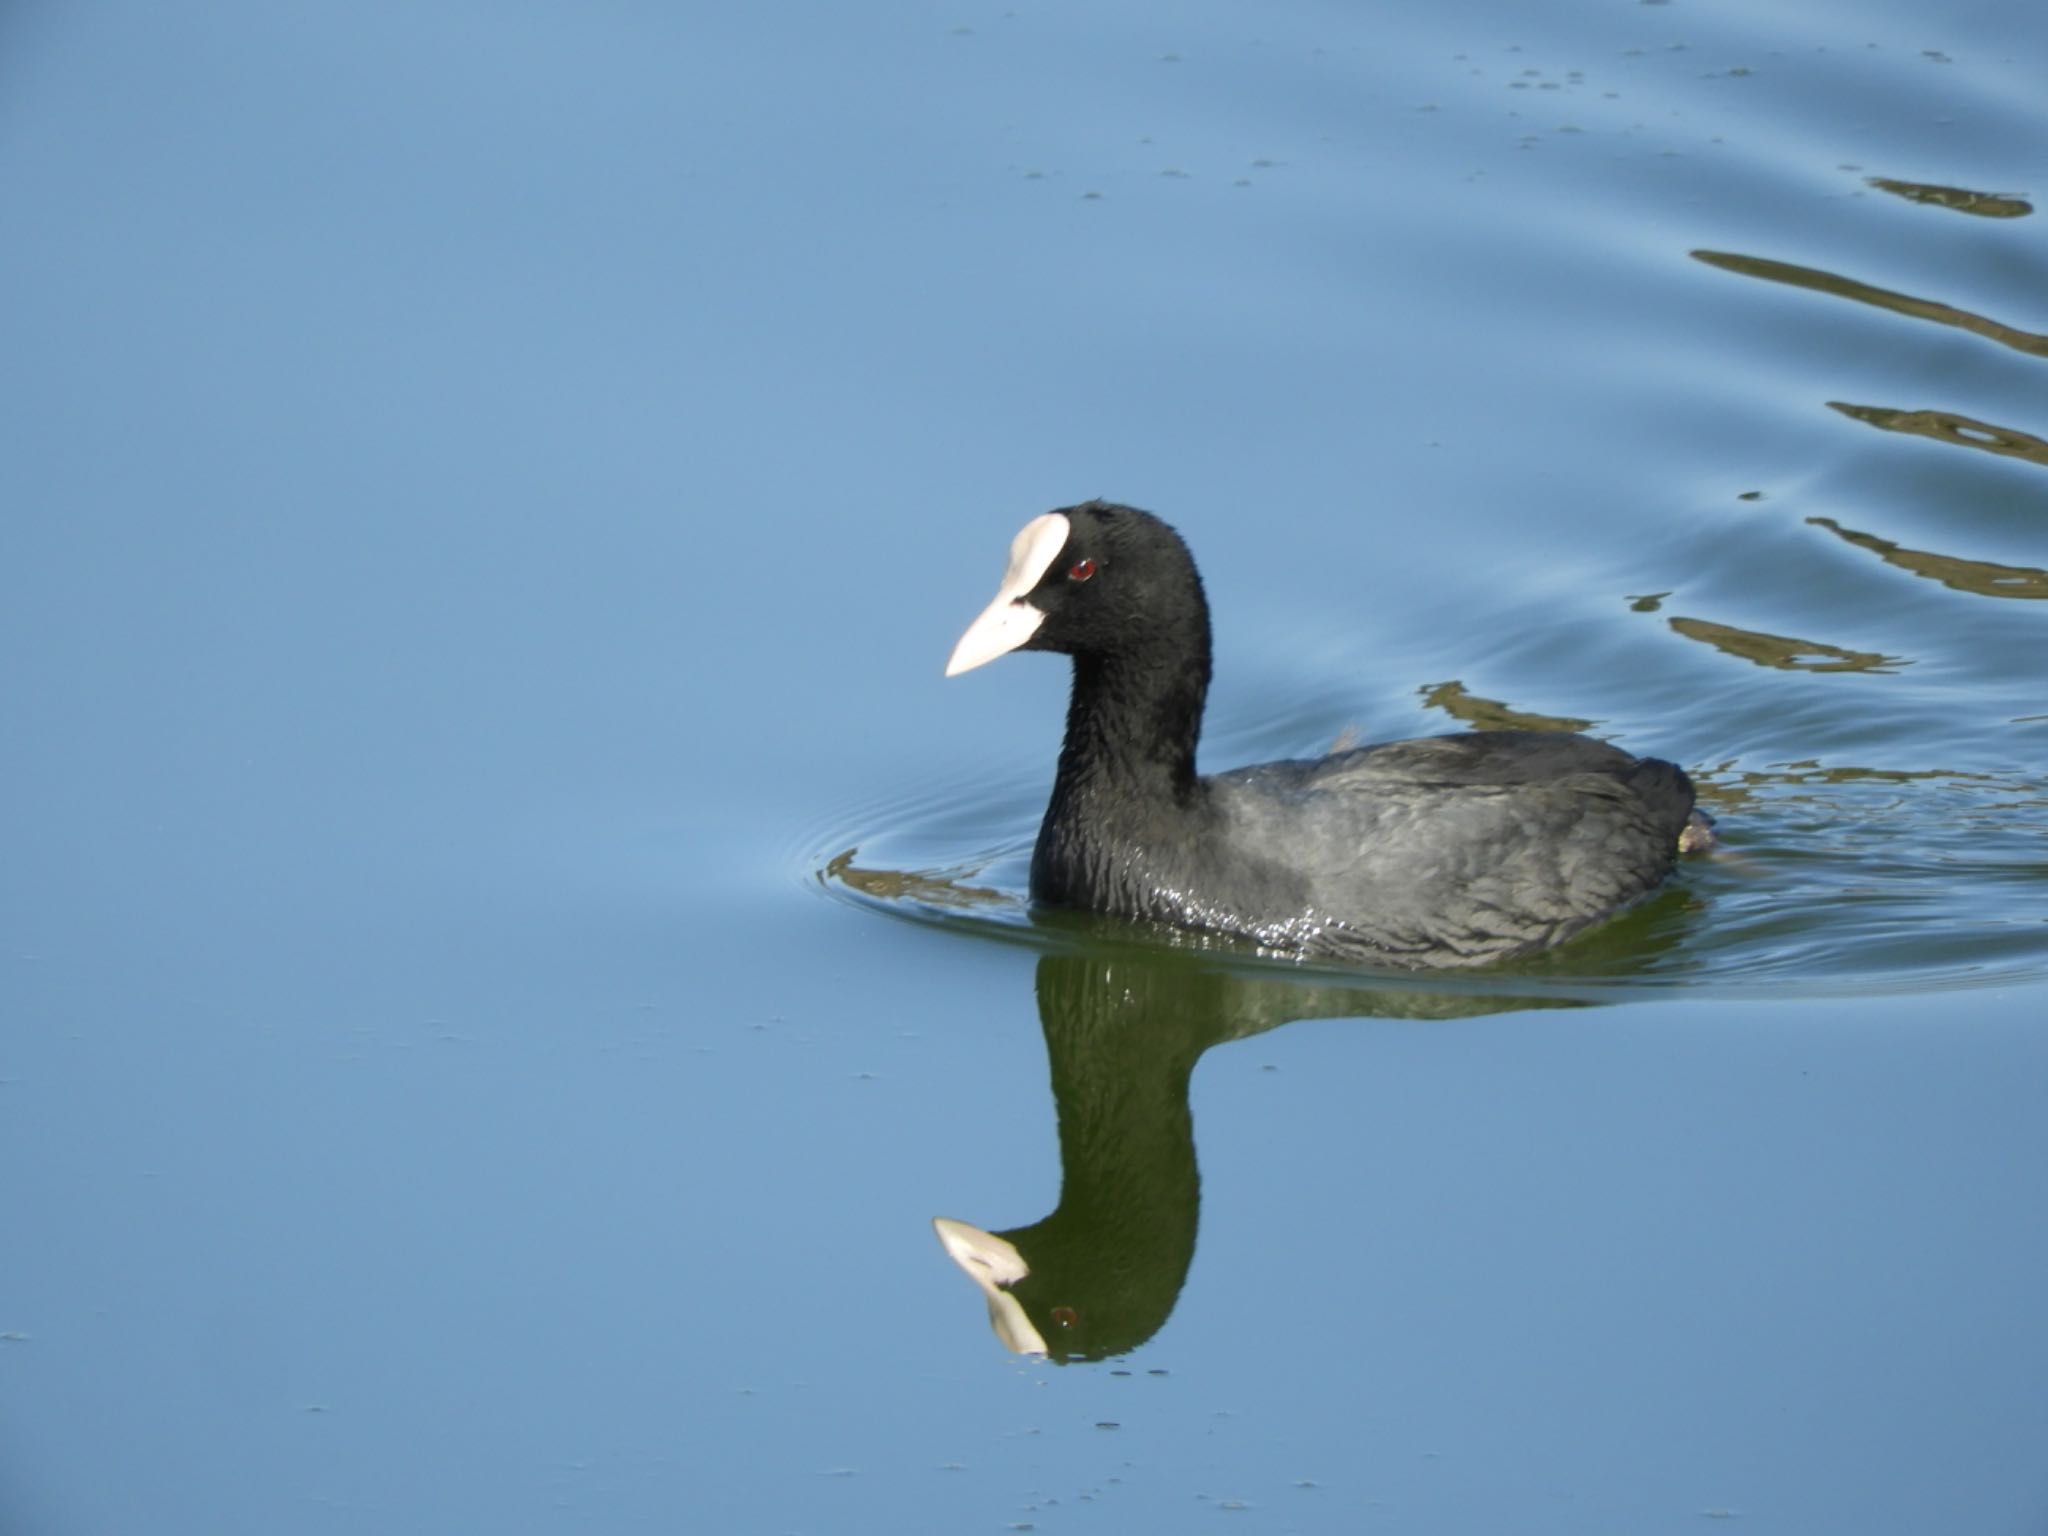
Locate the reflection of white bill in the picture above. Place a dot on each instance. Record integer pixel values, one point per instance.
(994, 1264)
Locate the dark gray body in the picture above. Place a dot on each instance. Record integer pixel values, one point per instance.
(1442, 851)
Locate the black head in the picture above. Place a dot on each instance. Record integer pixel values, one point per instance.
(1096, 580)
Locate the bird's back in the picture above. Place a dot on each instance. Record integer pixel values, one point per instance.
(1455, 850)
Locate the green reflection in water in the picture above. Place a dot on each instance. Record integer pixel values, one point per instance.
(935, 887)
(1783, 651)
(1491, 714)
(1978, 576)
(1948, 427)
(1731, 790)
(2030, 342)
(1986, 205)
(1124, 1026)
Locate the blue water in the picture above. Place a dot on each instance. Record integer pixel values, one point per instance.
(485, 496)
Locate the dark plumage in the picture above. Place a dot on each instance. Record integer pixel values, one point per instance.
(1442, 851)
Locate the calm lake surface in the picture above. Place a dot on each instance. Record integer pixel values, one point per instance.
(509, 941)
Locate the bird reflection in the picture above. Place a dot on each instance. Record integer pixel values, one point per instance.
(1123, 1031)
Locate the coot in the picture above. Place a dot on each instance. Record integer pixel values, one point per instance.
(1442, 851)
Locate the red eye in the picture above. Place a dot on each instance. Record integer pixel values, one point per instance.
(1081, 570)
(1066, 1317)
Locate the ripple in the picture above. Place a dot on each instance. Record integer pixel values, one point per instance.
(1984, 205)
(2033, 343)
(1782, 651)
(1830, 880)
(1949, 427)
(1981, 577)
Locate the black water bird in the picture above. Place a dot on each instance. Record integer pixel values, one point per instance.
(1441, 851)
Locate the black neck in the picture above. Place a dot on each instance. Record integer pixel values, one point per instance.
(1132, 723)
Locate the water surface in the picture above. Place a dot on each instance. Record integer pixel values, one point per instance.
(488, 495)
